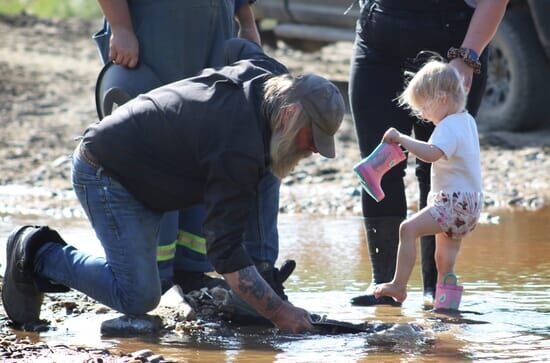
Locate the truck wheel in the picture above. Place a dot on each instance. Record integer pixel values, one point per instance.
(516, 97)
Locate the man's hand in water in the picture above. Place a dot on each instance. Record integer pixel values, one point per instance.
(252, 288)
(292, 319)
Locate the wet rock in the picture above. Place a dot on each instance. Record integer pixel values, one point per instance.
(23, 350)
(208, 302)
(400, 334)
(156, 359)
(173, 302)
(102, 310)
(535, 202)
(487, 218)
(130, 325)
(515, 201)
(142, 354)
(184, 327)
(70, 307)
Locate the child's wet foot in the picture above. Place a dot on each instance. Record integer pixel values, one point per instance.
(392, 290)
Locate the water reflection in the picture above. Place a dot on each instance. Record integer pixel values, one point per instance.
(506, 303)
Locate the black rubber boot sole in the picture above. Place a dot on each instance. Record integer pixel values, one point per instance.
(370, 300)
(382, 241)
(21, 299)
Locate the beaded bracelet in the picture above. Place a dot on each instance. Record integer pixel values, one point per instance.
(469, 56)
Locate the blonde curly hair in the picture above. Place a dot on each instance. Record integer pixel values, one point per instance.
(433, 83)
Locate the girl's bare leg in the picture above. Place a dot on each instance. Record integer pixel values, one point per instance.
(446, 250)
(420, 224)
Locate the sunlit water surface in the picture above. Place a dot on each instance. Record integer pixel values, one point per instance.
(504, 268)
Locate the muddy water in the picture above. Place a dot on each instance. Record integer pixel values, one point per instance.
(504, 268)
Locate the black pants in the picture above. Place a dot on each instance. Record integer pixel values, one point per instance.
(390, 34)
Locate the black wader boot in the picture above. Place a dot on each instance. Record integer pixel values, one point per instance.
(383, 240)
(195, 281)
(429, 270)
(427, 252)
(22, 290)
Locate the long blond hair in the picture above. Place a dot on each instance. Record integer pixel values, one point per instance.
(435, 81)
(276, 105)
(277, 98)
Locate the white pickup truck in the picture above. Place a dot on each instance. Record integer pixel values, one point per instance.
(518, 90)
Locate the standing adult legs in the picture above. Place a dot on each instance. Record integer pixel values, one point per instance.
(422, 131)
(178, 39)
(375, 81)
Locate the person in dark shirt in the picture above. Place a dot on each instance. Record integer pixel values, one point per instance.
(209, 138)
(176, 40)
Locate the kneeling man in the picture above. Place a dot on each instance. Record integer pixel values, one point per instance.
(210, 139)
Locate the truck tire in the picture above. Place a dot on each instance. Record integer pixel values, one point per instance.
(516, 97)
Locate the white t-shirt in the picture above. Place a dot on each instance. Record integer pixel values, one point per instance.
(460, 168)
(471, 3)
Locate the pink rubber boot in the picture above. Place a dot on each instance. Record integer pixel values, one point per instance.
(448, 293)
(371, 169)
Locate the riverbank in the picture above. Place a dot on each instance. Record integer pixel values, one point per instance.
(49, 70)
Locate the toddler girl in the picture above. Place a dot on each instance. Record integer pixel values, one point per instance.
(437, 95)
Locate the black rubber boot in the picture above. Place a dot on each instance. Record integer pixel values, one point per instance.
(22, 290)
(194, 281)
(429, 269)
(427, 253)
(383, 240)
(276, 276)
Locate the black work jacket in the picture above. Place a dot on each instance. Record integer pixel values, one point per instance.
(202, 139)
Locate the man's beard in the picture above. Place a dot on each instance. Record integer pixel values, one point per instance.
(284, 156)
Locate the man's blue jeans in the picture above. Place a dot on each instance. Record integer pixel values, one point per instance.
(127, 278)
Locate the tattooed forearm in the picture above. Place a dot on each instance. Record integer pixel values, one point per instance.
(250, 282)
(273, 302)
(253, 289)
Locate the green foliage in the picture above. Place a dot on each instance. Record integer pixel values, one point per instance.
(52, 8)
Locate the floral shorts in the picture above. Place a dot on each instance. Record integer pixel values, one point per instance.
(456, 212)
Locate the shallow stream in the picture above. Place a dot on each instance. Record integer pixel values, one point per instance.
(504, 268)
